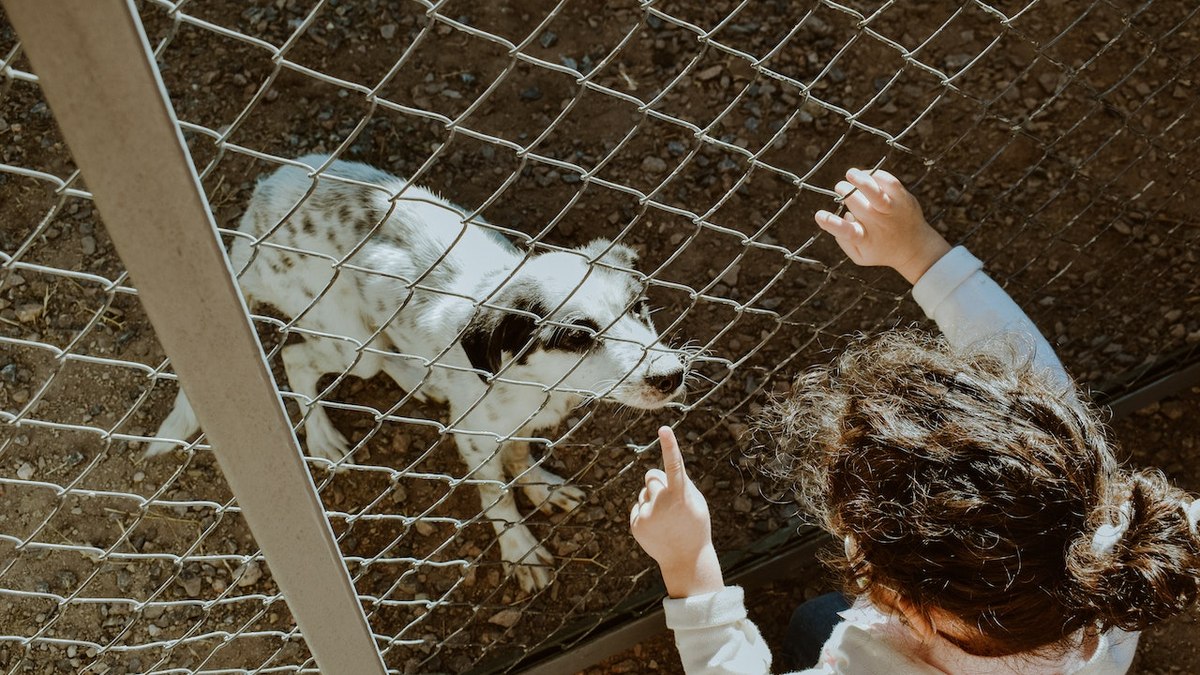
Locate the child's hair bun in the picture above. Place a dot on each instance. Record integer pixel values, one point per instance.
(1140, 562)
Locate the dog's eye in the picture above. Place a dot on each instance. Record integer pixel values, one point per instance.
(579, 336)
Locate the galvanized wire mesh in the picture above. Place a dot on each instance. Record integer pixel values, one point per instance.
(1051, 140)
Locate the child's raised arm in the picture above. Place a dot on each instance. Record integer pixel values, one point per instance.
(884, 225)
(670, 521)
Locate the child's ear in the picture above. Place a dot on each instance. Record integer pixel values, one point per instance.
(610, 253)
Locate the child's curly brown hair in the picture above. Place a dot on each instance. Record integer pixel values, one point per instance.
(975, 487)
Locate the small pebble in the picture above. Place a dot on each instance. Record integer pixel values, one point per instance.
(388, 31)
(399, 494)
(249, 573)
(191, 585)
(1173, 410)
(531, 94)
(506, 618)
(28, 313)
(153, 612)
(654, 165)
(25, 472)
(548, 39)
(87, 245)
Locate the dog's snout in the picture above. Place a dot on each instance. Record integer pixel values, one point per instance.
(667, 383)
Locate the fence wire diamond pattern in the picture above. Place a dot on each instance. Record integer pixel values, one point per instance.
(1053, 141)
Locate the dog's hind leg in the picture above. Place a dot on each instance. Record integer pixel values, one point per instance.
(180, 425)
(543, 487)
(320, 436)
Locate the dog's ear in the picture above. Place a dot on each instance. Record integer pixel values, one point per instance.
(617, 255)
(492, 332)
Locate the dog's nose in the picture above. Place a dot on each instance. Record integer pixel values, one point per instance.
(667, 383)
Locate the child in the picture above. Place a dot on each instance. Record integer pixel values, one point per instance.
(986, 525)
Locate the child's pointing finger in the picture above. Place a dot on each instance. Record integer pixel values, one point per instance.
(672, 457)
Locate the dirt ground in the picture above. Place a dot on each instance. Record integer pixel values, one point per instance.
(1056, 146)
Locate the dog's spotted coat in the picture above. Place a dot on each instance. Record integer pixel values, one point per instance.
(452, 312)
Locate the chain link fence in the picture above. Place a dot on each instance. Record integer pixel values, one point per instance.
(1052, 139)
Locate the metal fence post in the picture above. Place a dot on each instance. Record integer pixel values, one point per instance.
(95, 67)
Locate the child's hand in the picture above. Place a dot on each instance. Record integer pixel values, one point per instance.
(884, 225)
(670, 522)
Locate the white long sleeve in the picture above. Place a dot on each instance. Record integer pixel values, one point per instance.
(714, 636)
(970, 308)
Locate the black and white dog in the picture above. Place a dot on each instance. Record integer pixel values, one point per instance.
(453, 312)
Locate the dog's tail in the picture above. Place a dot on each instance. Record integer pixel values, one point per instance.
(180, 425)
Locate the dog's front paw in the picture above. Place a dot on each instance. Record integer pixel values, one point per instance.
(323, 440)
(525, 558)
(156, 448)
(566, 497)
(547, 490)
(563, 496)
